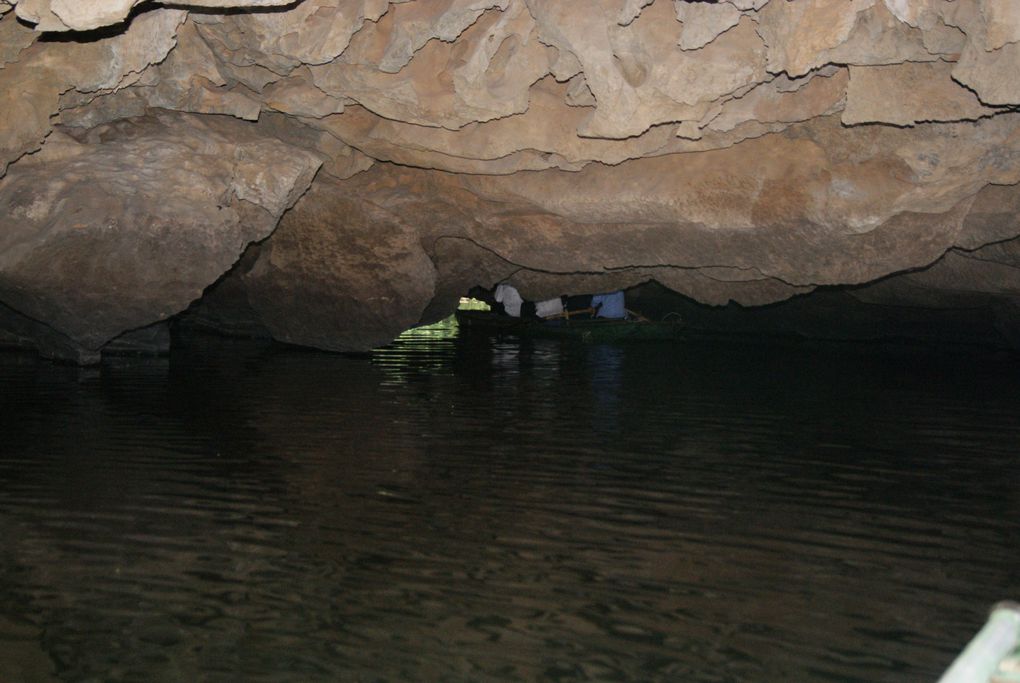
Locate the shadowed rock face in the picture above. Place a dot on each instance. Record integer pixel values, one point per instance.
(128, 225)
(743, 151)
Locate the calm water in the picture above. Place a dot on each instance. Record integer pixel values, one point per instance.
(454, 510)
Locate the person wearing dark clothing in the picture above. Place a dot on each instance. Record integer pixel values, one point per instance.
(487, 296)
(577, 306)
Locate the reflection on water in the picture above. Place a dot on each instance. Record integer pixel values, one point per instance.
(466, 510)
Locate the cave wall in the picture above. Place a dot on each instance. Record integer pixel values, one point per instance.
(384, 156)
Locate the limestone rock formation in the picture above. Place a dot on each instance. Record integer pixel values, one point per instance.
(83, 15)
(129, 224)
(39, 73)
(738, 151)
(909, 93)
(337, 258)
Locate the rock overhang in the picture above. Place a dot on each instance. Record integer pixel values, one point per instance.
(740, 151)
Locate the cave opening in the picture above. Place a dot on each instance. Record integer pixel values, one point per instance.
(838, 315)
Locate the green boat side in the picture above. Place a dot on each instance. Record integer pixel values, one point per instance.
(586, 330)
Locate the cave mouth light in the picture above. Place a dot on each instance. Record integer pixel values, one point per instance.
(468, 303)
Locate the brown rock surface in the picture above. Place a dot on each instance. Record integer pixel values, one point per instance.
(127, 226)
(746, 150)
(909, 93)
(338, 258)
(83, 15)
(703, 22)
(506, 227)
(40, 73)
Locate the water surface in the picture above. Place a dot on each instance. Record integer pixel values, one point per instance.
(473, 510)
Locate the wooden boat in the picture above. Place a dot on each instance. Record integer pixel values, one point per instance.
(993, 656)
(590, 329)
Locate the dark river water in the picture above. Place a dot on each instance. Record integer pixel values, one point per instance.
(464, 510)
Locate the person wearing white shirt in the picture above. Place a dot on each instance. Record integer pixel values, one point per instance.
(549, 308)
(510, 298)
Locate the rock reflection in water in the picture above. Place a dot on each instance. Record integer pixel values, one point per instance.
(455, 509)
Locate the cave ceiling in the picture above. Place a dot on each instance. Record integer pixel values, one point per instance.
(352, 165)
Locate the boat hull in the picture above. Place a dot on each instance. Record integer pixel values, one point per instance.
(592, 330)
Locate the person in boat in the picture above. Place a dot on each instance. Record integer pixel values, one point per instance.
(504, 299)
(488, 297)
(550, 308)
(578, 306)
(610, 305)
(583, 307)
(507, 295)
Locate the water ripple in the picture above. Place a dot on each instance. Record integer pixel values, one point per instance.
(463, 509)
